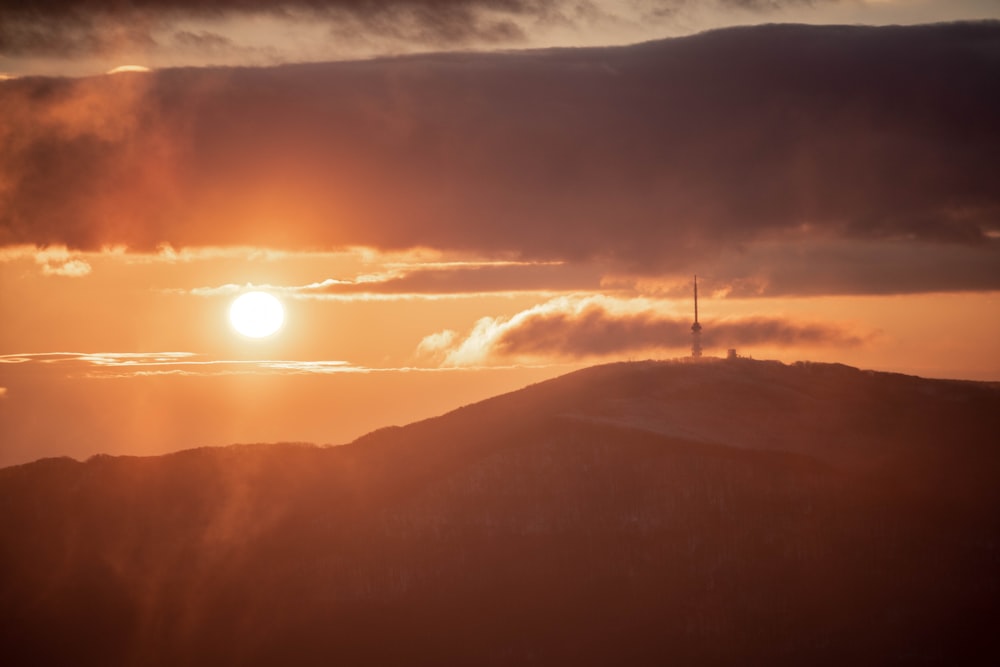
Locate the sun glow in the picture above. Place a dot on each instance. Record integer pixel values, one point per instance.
(256, 314)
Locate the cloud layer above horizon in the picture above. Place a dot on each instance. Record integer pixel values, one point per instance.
(597, 326)
(84, 28)
(787, 159)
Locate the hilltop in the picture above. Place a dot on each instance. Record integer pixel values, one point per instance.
(709, 513)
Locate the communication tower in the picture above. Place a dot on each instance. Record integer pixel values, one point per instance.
(696, 327)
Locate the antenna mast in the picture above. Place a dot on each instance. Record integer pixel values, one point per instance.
(696, 327)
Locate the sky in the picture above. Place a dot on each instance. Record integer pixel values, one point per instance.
(456, 198)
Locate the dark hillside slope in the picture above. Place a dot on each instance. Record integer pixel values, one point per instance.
(711, 513)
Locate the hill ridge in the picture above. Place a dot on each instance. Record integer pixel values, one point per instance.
(538, 526)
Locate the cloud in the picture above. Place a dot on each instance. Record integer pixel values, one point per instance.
(659, 157)
(581, 328)
(59, 261)
(71, 269)
(797, 267)
(67, 28)
(437, 343)
(134, 364)
(434, 280)
(864, 267)
(98, 358)
(466, 279)
(202, 40)
(78, 27)
(112, 365)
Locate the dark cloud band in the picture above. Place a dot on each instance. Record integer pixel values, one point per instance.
(63, 28)
(656, 156)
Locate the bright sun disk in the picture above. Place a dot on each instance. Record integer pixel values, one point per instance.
(256, 314)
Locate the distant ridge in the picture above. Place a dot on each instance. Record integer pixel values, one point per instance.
(704, 513)
(847, 412)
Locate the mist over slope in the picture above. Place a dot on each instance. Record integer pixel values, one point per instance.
(636, 513)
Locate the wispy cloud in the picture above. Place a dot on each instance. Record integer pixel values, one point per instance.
(78, 28)
(117, 364)
(144, 364)
(54, 260)
(598, 326)
(434, 280)
(99, 358)
(797, 265)
(188, 363)
(166, 253)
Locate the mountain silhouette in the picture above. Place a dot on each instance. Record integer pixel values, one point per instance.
(702, 513)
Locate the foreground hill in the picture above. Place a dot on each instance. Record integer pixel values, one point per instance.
(724, 512)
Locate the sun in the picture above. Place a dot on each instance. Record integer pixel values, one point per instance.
(256, 314)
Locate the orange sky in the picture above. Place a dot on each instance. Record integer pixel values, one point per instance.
(442, 228)
(133, 359)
